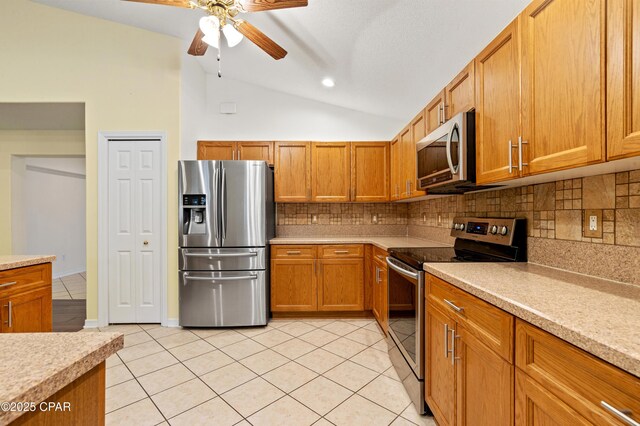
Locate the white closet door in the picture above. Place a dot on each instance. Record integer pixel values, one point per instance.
(134, 231)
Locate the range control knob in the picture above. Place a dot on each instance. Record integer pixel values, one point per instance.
(494, 230)
(456, 226)
(462, 226)
(504, 230)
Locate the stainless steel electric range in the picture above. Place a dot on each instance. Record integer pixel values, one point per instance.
(476, 240)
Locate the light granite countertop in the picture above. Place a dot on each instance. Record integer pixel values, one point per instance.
(34, 366)
(384, 243)
(600, 316)
(20, 260)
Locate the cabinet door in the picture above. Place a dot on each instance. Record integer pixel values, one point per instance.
(418, 132)
(330, 176)
(370, 171)
(563, 84)
(293, 285)
(498, 107)
(623, 75)
(259, 151)
(440, 371)
(435, 112)
(535, 406)
(210, 150)
(461, 92)
(383, 306)
(292, 172)
(376, 307)
(484, 383)
(406, 141)
(341, 285)
(397, 156)
(28, 312)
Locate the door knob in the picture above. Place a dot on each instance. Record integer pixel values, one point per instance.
(146, 243)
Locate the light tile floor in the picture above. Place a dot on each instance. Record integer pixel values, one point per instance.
(299, 372)
(70, 287)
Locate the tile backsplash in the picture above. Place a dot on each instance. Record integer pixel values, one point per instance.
(554, 210)
(343, 214)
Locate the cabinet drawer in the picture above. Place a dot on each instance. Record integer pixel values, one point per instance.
(294, 252)
(380, 255)
(579, 379)
(343, 250)
(19, 280)
(491, 325)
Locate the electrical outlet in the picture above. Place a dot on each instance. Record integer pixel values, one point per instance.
(439, 219)
(374, 218)
(314, 219)
(592, 224)
(424, 218)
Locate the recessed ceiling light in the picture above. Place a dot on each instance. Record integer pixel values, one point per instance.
(328, 82)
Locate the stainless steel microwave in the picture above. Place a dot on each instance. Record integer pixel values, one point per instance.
(446, 162)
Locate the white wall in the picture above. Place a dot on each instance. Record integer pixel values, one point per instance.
(264, 114)
(49, 210)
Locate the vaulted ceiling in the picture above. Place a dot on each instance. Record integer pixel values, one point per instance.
(388, 57)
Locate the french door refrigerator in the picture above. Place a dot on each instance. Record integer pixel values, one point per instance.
(226, 219)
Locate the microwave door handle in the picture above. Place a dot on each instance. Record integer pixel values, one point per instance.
(449, 159)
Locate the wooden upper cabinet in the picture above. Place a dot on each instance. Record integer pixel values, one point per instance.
(460, 94)
(418, 132)
(623, 77)
(406, 141)
(563, 84)
(397, 156)
(370, 171)
(435, 112)
(497, 70)
(259, 151)
(292, 172)
(212, 150)
(330, 176)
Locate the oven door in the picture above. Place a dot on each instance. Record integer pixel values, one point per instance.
(406, 312)
(440, 155)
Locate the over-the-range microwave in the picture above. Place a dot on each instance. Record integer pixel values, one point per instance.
(446, 162)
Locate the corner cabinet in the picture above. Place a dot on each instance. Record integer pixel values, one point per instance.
(623, 75)
(25, 299)
(563, 84)
(497, 70)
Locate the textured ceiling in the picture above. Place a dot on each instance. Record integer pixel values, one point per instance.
(388, 57)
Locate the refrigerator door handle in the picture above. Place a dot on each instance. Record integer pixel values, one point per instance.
(223, 204)
(238, 278)
(216, 229)
(251, 254)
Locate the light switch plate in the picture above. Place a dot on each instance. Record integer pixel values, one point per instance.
(592, 219)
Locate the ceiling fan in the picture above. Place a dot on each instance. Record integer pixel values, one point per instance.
(221, 19)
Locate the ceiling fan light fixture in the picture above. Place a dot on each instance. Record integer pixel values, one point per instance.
(232, 35)
(209, 24)
(212, 39)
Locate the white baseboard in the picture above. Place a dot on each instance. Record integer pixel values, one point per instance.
(90, 323)
(67, 273)
(171, 322)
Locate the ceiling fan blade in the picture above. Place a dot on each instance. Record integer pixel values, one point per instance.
(260, 39)
(198, 47)
(261, 5)
(178, 3)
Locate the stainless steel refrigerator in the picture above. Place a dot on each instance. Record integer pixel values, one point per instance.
(226, 219)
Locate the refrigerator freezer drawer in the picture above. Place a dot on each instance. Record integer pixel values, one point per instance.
(222, 259)
(223, 299)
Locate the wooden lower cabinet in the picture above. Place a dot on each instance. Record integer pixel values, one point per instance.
(25, 299)
(310, 278)
(440, 371)
(293, 285)
(341, 285)
(379, 306)
(484, 383)
(536, 406)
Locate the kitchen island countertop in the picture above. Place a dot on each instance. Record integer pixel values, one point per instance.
(20, 260)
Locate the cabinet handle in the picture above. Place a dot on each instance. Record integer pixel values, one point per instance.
(446, 340)
(511, 166)
(444, 112)
(455, 308)
(8, 284)
(621, 414)
(10, 321)
(453, 346)
(380, 257)
(294, 252)
(520, 143)
(341, 251)
(233, 154)
(239, 152)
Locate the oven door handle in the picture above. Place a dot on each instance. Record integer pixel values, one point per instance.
(448, 147)
(402, 271)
